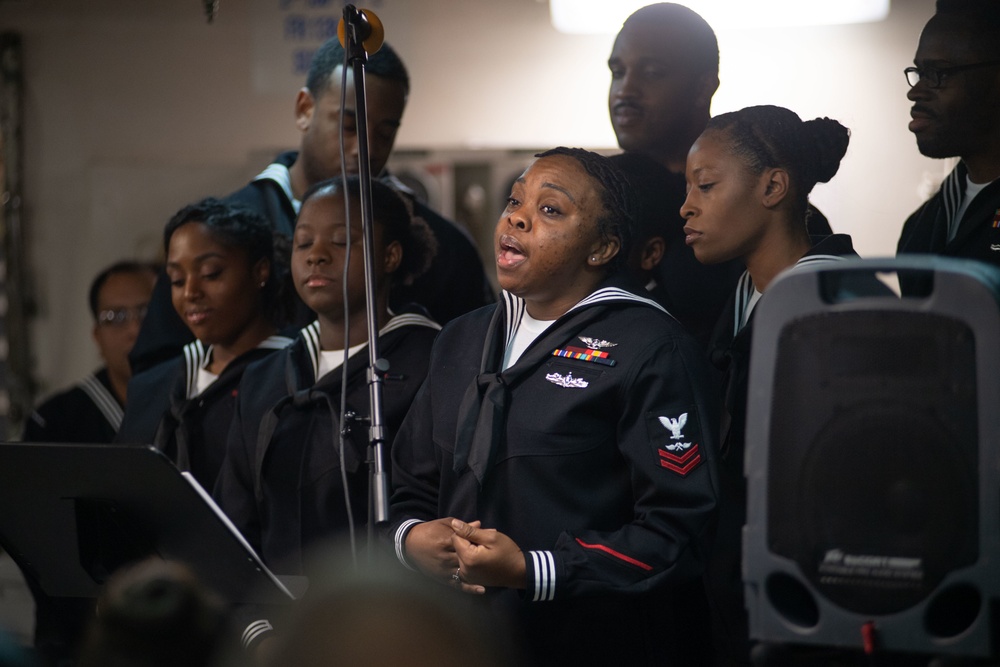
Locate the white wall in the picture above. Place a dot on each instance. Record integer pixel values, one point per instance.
(136, 108)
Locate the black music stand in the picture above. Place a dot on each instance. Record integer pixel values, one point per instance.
(71, 514)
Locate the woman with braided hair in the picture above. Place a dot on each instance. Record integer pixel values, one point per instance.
(749, 176)
(559, 459)
(227, 284)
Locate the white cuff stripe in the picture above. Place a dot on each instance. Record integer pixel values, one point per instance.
(535, 571)
(550, 559)
(544, 565)
(254, 630)
(400, 540)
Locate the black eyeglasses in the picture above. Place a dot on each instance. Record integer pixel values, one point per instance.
(935, 77)
(118, 317)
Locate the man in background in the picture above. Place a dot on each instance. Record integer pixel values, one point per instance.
(454, 284)
(664, 71)
(91, 411)
(955, 90)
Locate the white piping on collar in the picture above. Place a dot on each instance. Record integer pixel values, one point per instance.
(281, 175)
(103, 399)
(745, 288)
(197, 357)
(310, 334)
(515, 306)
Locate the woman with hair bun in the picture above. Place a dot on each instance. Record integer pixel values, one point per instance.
(749, 176)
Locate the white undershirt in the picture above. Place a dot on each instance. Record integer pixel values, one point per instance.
(527, 331)
(754, 298)
(205, 379)
(331, 360)
(971, 190)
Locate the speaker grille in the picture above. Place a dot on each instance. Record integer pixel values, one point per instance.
(872, 460)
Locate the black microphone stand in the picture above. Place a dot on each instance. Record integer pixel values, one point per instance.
(356, 30)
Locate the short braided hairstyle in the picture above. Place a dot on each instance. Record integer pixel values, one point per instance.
(618, 219)
(654, 210)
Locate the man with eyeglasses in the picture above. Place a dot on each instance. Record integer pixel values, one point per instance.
(955, 90)
(92, 410)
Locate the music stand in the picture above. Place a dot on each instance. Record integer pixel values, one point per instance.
(72, 514)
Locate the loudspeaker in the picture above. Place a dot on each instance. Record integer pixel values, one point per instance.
(872, 456)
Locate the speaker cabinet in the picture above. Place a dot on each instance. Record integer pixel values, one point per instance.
(872, 459)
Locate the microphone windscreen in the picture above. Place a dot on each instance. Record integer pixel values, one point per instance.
(371, 43)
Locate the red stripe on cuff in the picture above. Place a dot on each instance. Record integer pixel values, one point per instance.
(616, 554)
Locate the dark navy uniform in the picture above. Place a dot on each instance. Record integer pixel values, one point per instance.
(281, 484)
(88, 412)
(976, 237)
(595, 452)
(165, 410)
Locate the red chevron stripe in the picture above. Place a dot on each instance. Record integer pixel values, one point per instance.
(679, 458)
(683, 464)
(681, 470)
(616, 554)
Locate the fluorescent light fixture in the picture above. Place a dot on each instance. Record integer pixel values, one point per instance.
(593, 17)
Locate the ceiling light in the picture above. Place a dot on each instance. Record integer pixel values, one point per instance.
(591, 17)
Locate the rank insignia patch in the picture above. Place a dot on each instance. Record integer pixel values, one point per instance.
(677, 454)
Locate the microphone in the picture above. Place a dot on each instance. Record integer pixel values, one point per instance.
(366, 28)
